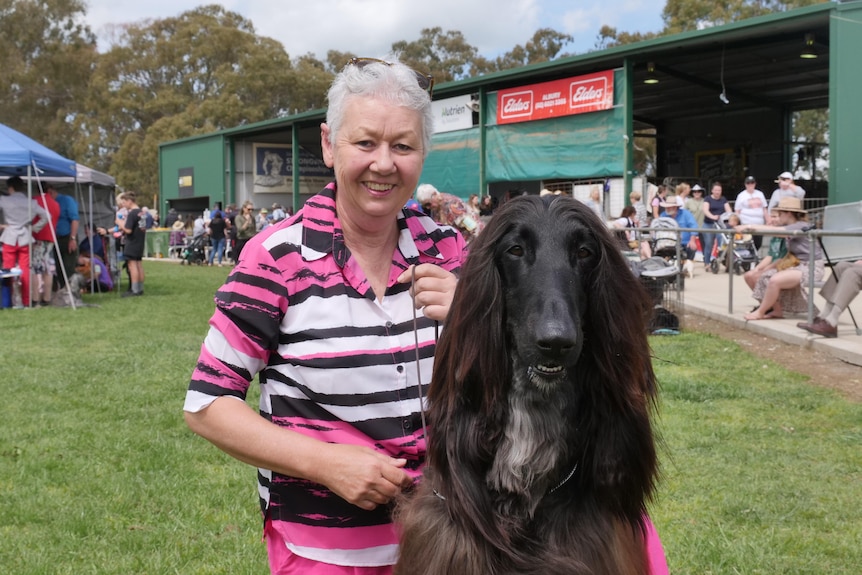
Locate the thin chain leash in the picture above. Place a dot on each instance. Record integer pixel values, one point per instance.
(418, 368)
(418, 363)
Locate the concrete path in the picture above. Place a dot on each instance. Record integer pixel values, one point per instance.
(708, 294)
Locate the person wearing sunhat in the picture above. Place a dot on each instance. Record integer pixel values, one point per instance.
(786, 189)
(262, 219)
(781, 289)
(750, 206)
(694, 204)
(684, 219)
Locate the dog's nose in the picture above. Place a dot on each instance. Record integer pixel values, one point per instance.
(556, 344)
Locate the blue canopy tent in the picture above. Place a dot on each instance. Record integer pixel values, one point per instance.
(25, 157)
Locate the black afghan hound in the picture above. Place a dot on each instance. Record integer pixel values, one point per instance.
(541, 454)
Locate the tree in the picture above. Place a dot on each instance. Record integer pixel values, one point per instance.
(811, 137)
(308, 81)
(46, 58)
(336, 60)
(609, 37)
(201, 71)
(544, 46)
(446, 56)
(683, 15)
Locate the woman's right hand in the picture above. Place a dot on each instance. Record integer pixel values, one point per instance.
(433, 289)
(362, 476)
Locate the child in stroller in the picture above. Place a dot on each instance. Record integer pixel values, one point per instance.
(195, 251)
(744, 255)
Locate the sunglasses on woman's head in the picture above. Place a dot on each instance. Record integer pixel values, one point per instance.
(425, 81)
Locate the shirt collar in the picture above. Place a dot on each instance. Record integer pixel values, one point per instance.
(322, 233)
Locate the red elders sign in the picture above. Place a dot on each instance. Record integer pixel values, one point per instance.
(576, 95)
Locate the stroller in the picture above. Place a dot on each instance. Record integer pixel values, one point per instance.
(660, 278)
(665, 238)
(195, 251)
(744, 255)
(666, 245)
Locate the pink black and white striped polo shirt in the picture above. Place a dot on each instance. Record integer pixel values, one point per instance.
(334, 363)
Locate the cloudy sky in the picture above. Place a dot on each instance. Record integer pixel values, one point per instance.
(369, 27)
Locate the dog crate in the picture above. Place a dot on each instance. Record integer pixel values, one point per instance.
(665, 288)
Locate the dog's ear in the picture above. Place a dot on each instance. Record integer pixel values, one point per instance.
(617, 317)
(616, 373)
(471, 365)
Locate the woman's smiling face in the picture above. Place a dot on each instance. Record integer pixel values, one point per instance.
(377, 156)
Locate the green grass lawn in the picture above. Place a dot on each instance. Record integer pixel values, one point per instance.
(762, 473)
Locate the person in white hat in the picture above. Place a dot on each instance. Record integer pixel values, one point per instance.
(750, 206)
(786, 189)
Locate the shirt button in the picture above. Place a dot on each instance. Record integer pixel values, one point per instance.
(407, 423)
(400, 368)
(389, 324)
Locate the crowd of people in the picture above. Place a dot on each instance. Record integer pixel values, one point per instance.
(779, 273)
(225, 231)
(778, 281)
(55, 258)
(778, 278)
(39, 240)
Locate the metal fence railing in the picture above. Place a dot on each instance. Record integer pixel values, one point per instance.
(814, 235)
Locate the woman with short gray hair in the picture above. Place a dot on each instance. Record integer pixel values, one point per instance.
(335, 309)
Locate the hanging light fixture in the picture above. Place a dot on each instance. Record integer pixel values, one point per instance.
(651, 78)
(723, 95)
(808, 52)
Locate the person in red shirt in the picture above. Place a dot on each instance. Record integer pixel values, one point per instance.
(43, 251)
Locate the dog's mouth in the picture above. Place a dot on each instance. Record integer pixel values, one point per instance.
(542, 374)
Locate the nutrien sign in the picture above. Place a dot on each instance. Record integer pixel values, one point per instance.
(577, 95)
(452, 114)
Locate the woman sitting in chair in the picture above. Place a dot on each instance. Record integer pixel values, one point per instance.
(781, 289)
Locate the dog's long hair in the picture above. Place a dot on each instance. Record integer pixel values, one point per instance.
(541, 455)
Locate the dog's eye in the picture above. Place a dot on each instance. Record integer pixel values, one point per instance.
(584, 253)
(516, 251)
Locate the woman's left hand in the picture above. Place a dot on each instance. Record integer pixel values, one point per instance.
(433, 289)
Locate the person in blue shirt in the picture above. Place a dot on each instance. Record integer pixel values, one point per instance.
(216, 210)
(684, 219)
(414, 205)
(67, 235)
